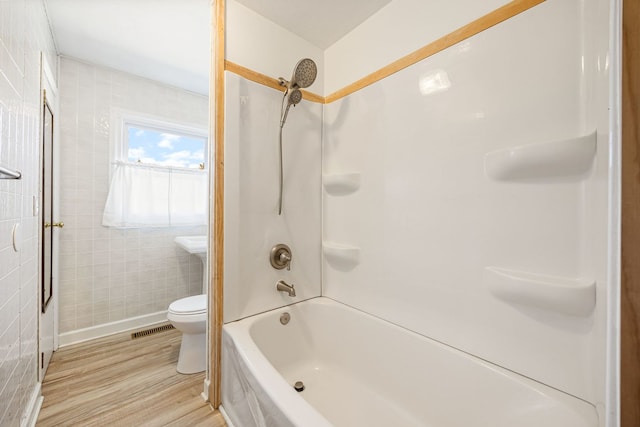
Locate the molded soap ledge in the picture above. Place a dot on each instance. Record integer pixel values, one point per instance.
(564, 158)
(576, 297)
(340, 184)
(340, 256)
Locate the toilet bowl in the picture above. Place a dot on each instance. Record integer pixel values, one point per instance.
(189, 316)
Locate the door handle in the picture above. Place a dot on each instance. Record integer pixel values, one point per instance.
(55, 224)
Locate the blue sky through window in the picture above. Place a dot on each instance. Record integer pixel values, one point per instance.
(164, 148)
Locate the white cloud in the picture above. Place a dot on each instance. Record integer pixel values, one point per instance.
(182, 159)
(178, 155)
(166, 143)
(167, 140)
(139, 132)
(149, 160)
(136, 153)
(184, 155)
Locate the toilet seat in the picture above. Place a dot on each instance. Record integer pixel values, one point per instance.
(193, 305)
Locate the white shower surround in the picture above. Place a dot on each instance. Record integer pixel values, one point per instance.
(441, 221)
(252, 223)
(416, 233)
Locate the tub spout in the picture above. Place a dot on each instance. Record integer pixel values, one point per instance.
(282, 286)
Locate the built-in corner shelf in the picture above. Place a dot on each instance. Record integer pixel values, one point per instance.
(571, 296)
(564, 158)
(340, 256)
(341, 184)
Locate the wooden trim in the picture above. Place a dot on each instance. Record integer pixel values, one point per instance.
(254, 76)
(630, 261)
(487, 21)
(313, 97)
(216, 296)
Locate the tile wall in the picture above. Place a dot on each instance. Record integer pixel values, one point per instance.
(106, 274)
(24, 33)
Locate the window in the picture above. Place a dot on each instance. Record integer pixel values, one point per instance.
(165, 147)
(159, 177)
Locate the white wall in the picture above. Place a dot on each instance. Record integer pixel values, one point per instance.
(252, 224)
(413, 242)
(106, 274)
(260, 45)
(398, 29)
(24, 32)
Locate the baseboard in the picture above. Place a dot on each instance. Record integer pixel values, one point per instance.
(33, 408)
(225, 416)
(205, 392)
(98, 331)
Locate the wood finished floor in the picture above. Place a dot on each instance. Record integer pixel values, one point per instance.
(117, 381)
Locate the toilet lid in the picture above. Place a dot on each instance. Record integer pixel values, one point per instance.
(190, 305)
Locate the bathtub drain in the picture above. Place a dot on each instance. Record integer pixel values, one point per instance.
(284, 318)
(299, 386)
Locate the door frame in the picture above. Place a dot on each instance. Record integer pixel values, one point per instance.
(630, 245)
(48, 88)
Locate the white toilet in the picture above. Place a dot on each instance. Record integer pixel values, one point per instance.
(189, 315)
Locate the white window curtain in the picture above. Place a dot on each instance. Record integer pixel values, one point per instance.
(152, 196)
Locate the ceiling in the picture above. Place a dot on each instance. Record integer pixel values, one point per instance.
(163, 40)
(321, 22)
(168, 40)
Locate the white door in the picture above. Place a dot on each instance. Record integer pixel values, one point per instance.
(50, 224)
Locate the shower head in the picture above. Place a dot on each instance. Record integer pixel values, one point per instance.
(304, 74)
(293, 97)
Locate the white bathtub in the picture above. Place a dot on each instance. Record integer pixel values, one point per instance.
(359, 370)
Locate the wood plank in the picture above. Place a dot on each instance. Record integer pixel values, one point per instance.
(122, 381)
(630, 262)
